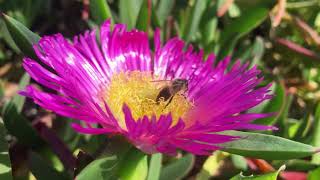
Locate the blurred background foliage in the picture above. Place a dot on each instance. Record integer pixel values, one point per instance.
(280, 36)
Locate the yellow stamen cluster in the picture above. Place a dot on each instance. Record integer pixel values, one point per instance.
(139, 91)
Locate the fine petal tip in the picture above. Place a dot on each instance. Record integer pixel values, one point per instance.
(125, 107)
(3, 15)
(26, 61)
(108, 21)
(75, 125)
(317, 150)
(273, 128)
(23, 93)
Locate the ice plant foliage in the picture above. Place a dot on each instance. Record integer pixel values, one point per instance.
(111, 85)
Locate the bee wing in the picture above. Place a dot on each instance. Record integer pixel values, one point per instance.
(161, 83)
(161, 80)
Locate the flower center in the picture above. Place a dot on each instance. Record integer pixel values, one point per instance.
(140, 91)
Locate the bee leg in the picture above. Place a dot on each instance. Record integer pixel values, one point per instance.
(183, 94)
(169, 101)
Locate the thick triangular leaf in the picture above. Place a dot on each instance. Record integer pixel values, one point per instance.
(275, 105)
(250, 19)
(163, 10)
(239, 162)
(178, 169)
(100, 11)
(22, 36)
(19, 100)
(193, 21)
(131, 166)
(100, 169)
(314, 175)
(134, 165)
(42, 170)
(129, 10)
(143, 17)
(266, 146)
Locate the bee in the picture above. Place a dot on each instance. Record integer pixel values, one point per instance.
(169, 91)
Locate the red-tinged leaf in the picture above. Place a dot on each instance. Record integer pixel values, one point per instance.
(281, 9)
(251, 164)
(267, 176)
(311, 34)
(224, 8)
(263, 165)
(289, 175)
(298, 49)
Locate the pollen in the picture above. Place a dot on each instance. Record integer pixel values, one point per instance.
(139, 91)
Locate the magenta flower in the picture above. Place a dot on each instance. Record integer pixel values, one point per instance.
(160, 100)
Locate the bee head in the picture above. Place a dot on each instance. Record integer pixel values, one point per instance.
(180, 84)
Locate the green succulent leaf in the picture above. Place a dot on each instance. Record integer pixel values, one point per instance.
(22, 36)
(4, 33)
(163, 10)
(194, 19)
(133, 165)
(296, 165)
(19, 100)
(239, 162)
(100, 169)
(100, 11)
(276, 105)
(155, 167)
(314, 175)
(266, 146)
(178, 169)
(129, 10)
(249, 19)
(42, 170)
(143, 17)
